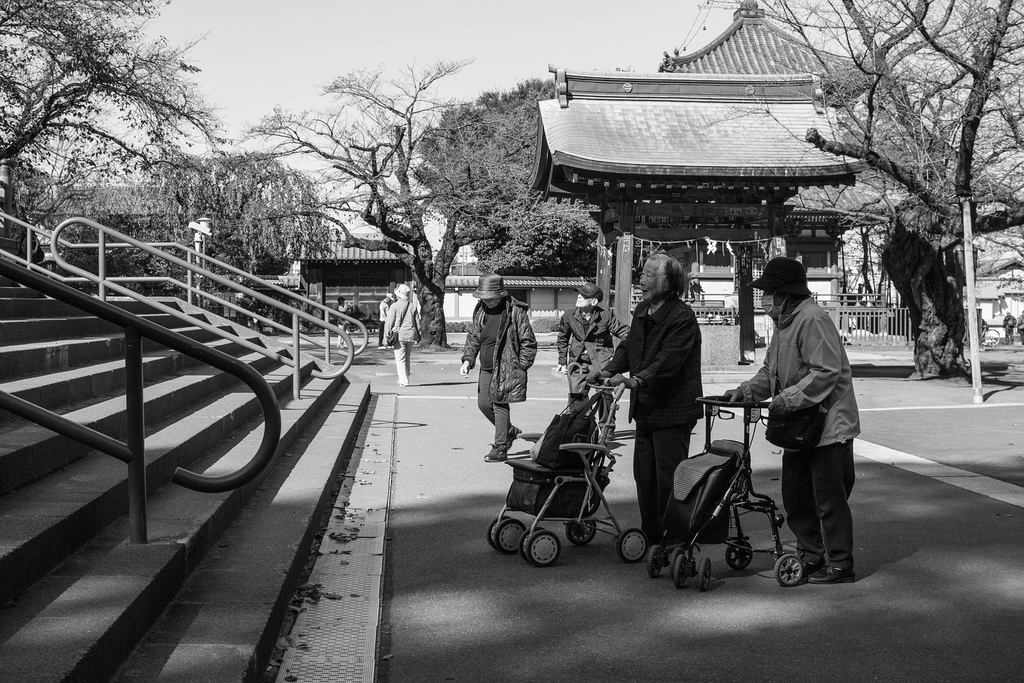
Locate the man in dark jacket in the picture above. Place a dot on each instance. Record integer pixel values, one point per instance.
(662, 355)
(585, 337)
(503, 338)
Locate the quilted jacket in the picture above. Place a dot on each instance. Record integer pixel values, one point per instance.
(514, 352)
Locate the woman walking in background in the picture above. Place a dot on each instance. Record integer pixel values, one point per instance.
(404, 319)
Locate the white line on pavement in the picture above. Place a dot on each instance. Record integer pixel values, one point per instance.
(970, 406)
(986, 486)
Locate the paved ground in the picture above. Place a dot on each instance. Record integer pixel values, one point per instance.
(939, 529)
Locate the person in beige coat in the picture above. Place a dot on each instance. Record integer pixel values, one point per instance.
(404, 317)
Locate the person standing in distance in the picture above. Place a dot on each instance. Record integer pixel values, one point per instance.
(404, 316)
(806, 365)
(662, 355)
(382, 316)
(586, 336)
(501, 335)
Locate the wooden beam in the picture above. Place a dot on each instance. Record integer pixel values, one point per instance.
(624, 266)
(678, 234)
(744, 276)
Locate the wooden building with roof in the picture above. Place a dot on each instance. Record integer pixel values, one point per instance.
(707, 154)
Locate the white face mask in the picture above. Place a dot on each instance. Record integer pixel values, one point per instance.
(772, 306)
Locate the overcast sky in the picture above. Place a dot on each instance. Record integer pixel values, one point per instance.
(256, 54)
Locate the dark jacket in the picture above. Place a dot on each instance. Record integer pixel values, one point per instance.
(667, 359)
(595, 337)
(514, 351)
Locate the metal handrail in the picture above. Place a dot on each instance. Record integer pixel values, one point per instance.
(192, 258)
(134, 451)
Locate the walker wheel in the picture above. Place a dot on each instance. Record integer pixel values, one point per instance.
(507, 534)
(789, 570)
(490, 533)
(543, 547)
(678, 569)
(580, 533)
(703, 574)
(739, 554)
(676, 552)
(632, 545)
(657, 559)
(522, 548)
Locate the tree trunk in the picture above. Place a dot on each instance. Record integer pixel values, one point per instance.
(433, 331)
(925, 277)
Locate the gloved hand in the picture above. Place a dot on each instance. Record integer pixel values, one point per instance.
(562, 369)
(464, 370)
(594, 376)
(734, 395)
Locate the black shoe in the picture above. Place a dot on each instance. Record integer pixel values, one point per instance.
(813, 567)
(513, 434)
(497, 454)
(832, 575)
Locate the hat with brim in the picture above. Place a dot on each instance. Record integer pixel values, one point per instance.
(783, 274)
(590, 291)
(490, 287)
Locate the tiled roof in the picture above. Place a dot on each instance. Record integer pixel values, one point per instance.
(355, 254)
(683, 126)
(515, 282)
(751, 45)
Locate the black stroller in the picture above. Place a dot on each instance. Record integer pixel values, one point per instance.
(565, 483)
(711, 493)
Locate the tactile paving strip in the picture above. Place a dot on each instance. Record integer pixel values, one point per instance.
(334, 638)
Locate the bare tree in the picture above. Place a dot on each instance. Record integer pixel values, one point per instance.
(927, 93)
(368, 151)
(81, 86)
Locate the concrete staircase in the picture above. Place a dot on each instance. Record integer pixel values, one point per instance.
(78, 602)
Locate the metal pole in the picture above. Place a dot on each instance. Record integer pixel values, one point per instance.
(327, 339)
(296, 374)
(136, 437)
(972, 311)
(102, 260)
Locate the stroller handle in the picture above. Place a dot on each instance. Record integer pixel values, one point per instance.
(724, 401)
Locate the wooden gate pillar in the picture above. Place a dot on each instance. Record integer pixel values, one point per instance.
(624, 265)
(744, 276)
(604, 263)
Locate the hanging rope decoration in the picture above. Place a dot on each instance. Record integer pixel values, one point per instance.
(644, 248)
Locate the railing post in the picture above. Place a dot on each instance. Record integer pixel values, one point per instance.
(296, 374)
(102, 267)
(189, 281)
(327, 339)
(136, 433)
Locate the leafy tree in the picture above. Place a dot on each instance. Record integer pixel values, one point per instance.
(928, 94)
(82, 87)
(480, 157)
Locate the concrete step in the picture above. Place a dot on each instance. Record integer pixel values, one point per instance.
(18, 292)
(81, 621)
(55, 389)
(29, 451)
(47, 520)
(33, 358)
(24, 331)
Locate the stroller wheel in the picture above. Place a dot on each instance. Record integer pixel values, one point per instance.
(738, 555)
(703, 574)
(679, 570)
(789, 570)
(580, 533)
(507, 534)
(490, 533)
(632, 545)
(542, 548)
(657, 559)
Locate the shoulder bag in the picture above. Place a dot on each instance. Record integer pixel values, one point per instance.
(392, 338)
(797, 429)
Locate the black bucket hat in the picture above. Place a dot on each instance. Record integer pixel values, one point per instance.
(783, 274)
(490, 286)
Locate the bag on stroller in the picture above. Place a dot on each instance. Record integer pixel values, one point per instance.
(698, 487)
(575, 424)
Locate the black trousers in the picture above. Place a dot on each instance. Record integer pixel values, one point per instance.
(656, 454)
(816, 485)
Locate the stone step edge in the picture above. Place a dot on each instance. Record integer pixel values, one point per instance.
(55, 537)
(205, 647)
(31, 651)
